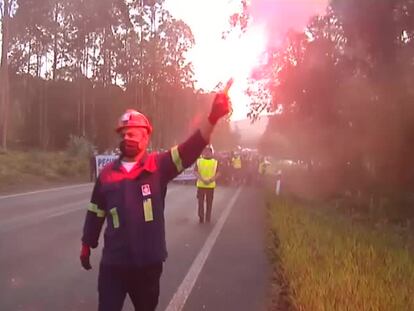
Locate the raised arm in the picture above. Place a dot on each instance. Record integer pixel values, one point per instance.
(185, 154)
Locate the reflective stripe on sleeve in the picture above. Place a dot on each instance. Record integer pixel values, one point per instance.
(115, 217)
(94, 209)
(177, 159)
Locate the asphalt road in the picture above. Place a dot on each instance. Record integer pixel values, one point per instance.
(219, 266)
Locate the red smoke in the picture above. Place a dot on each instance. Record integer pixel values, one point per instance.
(279, 16)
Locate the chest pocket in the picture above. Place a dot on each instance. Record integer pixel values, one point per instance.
(113, 199)
(115, 217)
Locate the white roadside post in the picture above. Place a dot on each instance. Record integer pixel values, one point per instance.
(278, 181)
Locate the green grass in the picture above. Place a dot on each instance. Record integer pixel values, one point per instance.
(334, 263)
(25, 168)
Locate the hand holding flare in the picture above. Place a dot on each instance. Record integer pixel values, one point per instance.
(221, 104)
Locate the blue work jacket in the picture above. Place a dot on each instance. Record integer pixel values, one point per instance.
(133, 204)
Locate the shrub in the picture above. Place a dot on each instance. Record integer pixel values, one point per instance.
(79, 147)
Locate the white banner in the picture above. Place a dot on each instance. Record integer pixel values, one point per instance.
(186, 175)
(102, 160)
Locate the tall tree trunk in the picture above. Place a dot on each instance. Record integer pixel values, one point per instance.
(85, 80)
(29, 56)
(83, 108)
(95, 61)
(86, 57)
(107, 56)
(78, 119)
(109, 74)
(141, 59)
(135, 81)
(46, 135)
(4, 76)
(39, 61)
(55, 42)
(40, 94)
(93, 118)
(153, 78)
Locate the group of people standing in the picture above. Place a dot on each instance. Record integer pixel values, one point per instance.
(236, 170)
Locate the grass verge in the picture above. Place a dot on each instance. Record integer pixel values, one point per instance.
(331, 262)
(21, 170)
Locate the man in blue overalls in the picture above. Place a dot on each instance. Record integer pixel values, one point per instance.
(130, 194)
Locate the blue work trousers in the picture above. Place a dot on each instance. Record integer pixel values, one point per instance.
(142, 284)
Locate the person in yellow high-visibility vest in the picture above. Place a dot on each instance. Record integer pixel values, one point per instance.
(263, 170)
(206, 171)
(236, 163)
(264, 166)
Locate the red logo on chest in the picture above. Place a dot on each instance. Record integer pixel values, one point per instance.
(146, 190)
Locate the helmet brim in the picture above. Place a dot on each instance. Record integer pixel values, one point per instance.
(120, 128)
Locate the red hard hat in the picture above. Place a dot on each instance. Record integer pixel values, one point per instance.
(133, 118)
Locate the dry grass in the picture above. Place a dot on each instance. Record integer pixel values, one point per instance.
(32, 168)
(333, 263)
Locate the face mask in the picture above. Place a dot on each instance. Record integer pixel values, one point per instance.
(129, 148)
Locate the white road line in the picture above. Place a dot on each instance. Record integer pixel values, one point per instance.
(42, 191)
(183, 292)
(42, 215)
(67, 211)
(58, 214)
(50, 189)
(45, 214)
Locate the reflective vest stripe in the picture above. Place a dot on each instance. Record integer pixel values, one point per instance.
(115, 217)
(94, 209)
(175, 154)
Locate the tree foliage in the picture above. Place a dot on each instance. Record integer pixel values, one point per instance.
(75, 65)
(345, 88)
